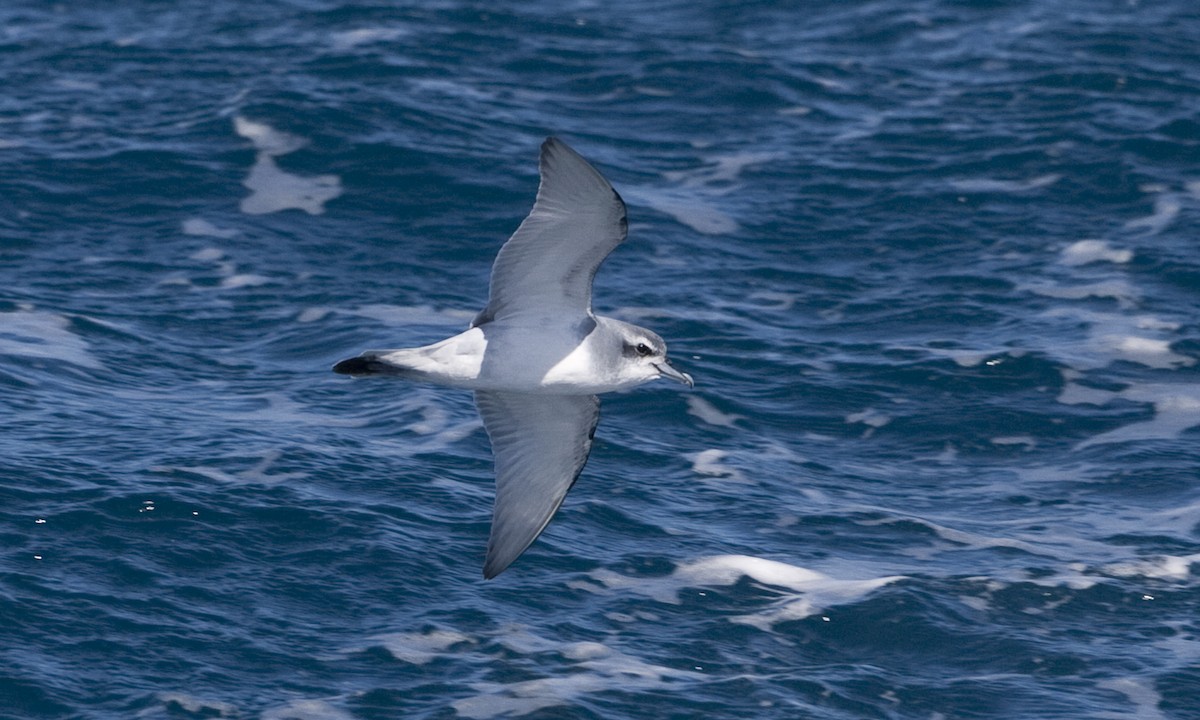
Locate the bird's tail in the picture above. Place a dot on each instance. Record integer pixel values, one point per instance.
(372, 362)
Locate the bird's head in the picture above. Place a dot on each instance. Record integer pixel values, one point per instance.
(645, 355)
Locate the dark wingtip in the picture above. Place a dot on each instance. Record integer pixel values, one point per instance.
(354, 366)
(491, 568)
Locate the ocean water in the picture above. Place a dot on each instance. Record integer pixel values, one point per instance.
(934, 266)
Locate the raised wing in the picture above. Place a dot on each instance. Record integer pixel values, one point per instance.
(547, 266)
(540, 443)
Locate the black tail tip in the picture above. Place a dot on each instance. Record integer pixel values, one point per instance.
(354, 366)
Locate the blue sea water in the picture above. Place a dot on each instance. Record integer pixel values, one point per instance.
(933, 265)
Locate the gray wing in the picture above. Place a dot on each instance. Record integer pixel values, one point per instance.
(540, 443)
(547, 266)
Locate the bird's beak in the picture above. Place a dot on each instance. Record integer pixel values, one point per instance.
(665, 370)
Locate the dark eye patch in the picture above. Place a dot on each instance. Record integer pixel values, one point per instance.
(643, 349)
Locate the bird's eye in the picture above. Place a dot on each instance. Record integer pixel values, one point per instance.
(642, 349)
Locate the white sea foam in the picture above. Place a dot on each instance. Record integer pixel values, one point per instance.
(452, 88)
(967, 357)
(231, 279)
(1140, 693)
(687, 207)
(1118, 336)
(348, 39)
(810, 591)
(1077, 561)
(651, 91)
(752, 304)
(437, 427)
(271, 188)
(783, 301)
(863, 125)
(434, 419)
(1176, 409)
(1118, 289)
(203, 228)
(1180, 643)
(1113, 336)
(415, 648)
(1071, 576)
(31, 333)
(193, 705)
(594, 667)
(313, 314)
(967, 539)
(720, 171)
(1089, 251)
(948, 455)
(992, 185)
(961, 357)
(306, 710)
(711, 463)
(405, 315)
(1150, 352)
(267, 139)
(1182, 520)
(277, 407)
(1166, 208)
(242, 280)
(639, 313)
(209, 254)
(870, 417)
(1025, 440)
(706, 411)
(1075, 394)
(692, 200)
(76, 84)
(1163, 567)
(445, 436)
(257, 474)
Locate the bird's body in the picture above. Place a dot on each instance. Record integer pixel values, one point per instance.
(557, 359)
(537, 356)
